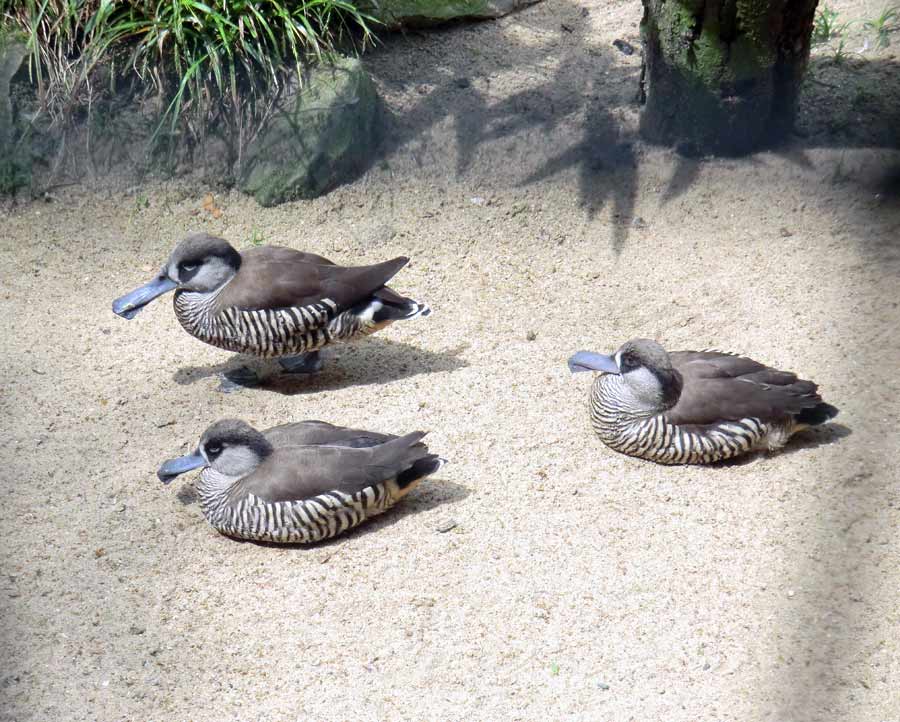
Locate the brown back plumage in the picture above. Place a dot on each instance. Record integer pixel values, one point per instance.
(275, 277)
(724, 387)
(317, 433)
(299, 472)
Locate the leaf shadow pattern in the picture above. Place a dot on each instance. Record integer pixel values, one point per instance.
(375, 361)
(852, 105)
(573, 116)
(687, 170)
(603, 161)
(458, 115)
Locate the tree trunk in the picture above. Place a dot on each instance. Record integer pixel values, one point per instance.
(722, 76)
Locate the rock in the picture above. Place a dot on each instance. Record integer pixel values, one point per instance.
(446, 525)
(15, 159)
(323, 135)
(623, 46)
(397, 14)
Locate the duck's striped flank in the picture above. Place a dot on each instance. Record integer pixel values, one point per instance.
(268, 333)
(652, 437)
(303, 521)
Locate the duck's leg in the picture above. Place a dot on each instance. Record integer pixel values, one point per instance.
(304, 363)
(237, 379)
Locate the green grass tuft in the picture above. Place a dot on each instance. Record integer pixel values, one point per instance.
(883, 25)
(826, 25)
(219, 63)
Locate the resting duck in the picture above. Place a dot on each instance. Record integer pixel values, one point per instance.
(695, 407)
(272, 302)
(300, 482)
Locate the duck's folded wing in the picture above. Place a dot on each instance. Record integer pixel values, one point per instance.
(722, 387)
(286, 255)
(386, 294)
(272, 277)
(317, 433)
(301, 472)
(719, 365)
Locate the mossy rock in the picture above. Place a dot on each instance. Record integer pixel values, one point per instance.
(422, 13)
(15, 155)
(323, 135)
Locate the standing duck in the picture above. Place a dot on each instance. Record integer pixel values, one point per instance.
(301, 482)
(272, 302)
(695, 407)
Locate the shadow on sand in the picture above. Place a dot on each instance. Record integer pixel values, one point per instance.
(580, 112)
(568, 119)
(376, 361)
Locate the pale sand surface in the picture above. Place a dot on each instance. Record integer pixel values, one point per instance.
(578, 584)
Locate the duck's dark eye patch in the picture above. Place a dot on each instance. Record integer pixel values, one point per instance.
(213, 449)
(628, 362)
(187, 270)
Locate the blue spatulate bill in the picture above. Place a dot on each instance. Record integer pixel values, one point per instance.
(129, 305)
(176, 467)
(589, 361)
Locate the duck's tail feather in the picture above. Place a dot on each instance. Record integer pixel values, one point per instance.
(818, 414)
(426, 466)
(394, 307)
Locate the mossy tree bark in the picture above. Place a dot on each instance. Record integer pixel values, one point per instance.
(722, 76)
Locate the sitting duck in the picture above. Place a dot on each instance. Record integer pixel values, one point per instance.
(695, 407)
(300, 482)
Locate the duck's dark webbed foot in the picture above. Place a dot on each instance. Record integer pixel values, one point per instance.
(305, 363)
(237, 379)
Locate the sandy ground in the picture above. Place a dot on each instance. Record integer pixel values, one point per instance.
(577, 584)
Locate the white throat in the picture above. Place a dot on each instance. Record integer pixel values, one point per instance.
(637, 393)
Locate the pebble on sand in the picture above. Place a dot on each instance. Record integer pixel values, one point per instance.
(446, 525)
